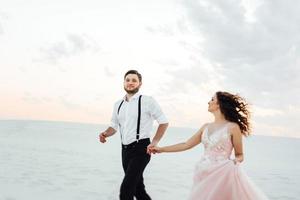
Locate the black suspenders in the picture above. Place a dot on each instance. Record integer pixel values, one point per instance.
(120, 106)
(138, 119)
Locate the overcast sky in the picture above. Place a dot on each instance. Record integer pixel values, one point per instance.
(65, 60)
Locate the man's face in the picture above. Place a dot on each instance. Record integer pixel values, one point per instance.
(132, 84)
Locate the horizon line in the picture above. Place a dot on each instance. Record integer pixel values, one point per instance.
(91, 123)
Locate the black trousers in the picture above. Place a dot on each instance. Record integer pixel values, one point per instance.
(134, 161)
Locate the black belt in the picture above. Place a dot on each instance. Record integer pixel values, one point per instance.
(144, 141)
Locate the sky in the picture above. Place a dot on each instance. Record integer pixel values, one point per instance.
(65, 60)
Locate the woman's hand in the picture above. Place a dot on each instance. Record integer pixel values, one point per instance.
(236, 161)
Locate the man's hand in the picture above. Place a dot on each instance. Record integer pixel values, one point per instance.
(102, 137)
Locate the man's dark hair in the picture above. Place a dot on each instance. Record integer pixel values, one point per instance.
(134, 72)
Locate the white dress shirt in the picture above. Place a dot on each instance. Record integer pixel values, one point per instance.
(126, 120)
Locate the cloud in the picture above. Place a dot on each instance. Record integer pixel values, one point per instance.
(63, 100)
(254, 57)
(264, 112)
(28, 97)
(191, 72)
(166, 30)
(230, 39)
(22, 69)
(201, 77)
(251, 51)
(1, 29)
(3, 16)
(108, 72)
(72, 46)
(69, 104)
(283, 122)
(171, 29)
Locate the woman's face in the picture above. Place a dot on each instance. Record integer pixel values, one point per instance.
(213, 104)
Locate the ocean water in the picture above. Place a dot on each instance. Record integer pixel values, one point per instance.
(65, 161)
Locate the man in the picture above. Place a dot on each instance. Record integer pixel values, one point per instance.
(133, 116)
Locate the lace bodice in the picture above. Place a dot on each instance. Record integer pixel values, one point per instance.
(217, 145)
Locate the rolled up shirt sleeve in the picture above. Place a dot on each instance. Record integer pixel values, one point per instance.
(156, 112)
(114, 123)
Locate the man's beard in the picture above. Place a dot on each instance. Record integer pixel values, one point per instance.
(132, 91)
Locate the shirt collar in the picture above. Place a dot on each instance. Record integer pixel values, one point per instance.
(133, 97)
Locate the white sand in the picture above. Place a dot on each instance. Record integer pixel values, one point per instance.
(65, 161)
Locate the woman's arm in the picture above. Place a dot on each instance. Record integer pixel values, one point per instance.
(237, 142)
(190, 143)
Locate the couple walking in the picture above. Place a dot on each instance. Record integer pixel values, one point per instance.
(216, 176)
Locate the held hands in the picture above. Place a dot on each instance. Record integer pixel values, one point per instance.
(153, 149)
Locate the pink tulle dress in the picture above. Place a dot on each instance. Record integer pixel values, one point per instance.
(216, 177)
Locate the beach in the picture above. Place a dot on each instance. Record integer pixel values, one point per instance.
(44, 160)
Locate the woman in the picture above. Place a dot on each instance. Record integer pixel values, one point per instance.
(216, 175)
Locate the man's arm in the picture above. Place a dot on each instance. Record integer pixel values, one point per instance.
(107, 133)
(161, 129)
(112, 129)
(159, 116)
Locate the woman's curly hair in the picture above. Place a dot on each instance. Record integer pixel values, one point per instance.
(235, 109)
